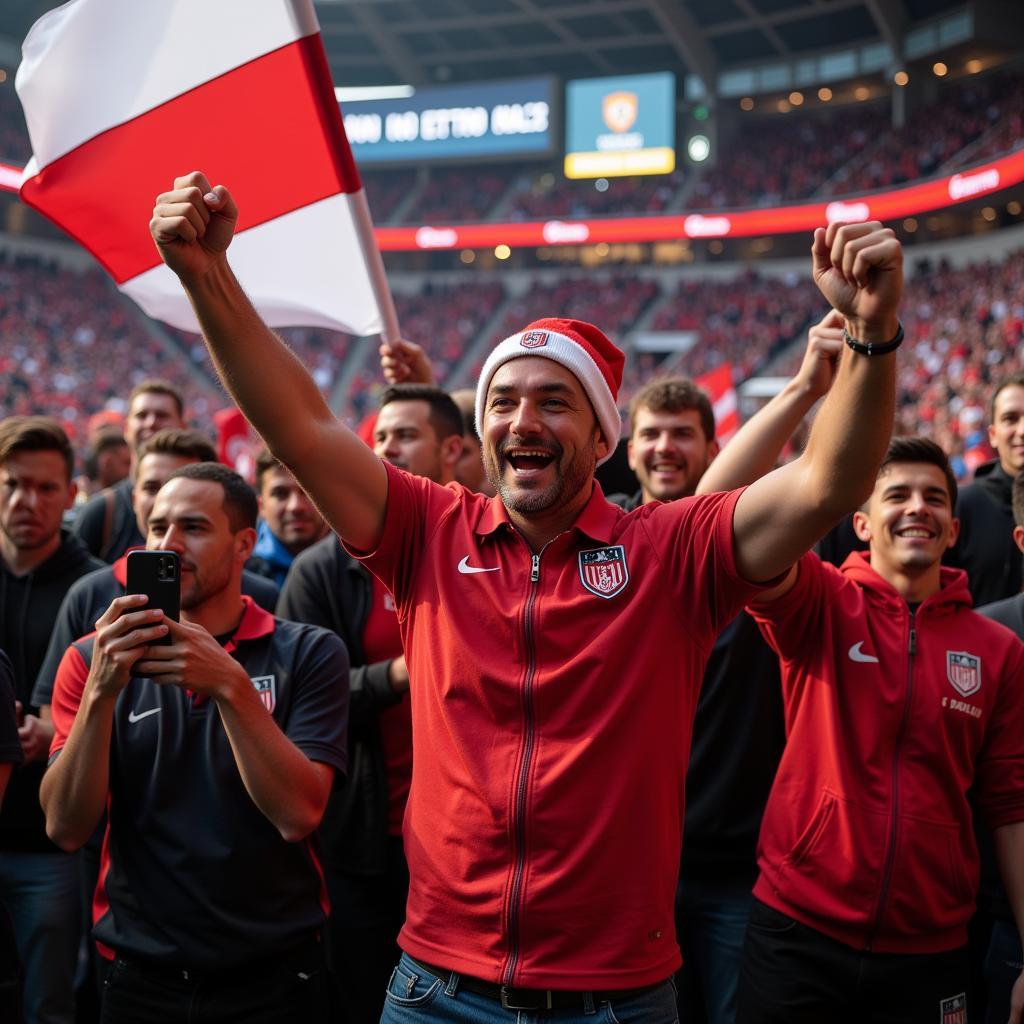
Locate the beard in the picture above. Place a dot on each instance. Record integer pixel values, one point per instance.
(569, 479)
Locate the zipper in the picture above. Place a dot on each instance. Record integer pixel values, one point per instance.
(890, 853)
(523, 777)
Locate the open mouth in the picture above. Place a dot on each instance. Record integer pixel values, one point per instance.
(666, 467)
(915, 533)
(527, 462)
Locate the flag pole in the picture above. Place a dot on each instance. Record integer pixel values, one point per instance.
(374, 265)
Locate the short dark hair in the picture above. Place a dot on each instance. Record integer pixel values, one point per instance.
(239, 498)
(186, 444)
(443, 413)
(1018, 500)
(674, 394)
(1016, 381)
(156, 386)
(102, 442)
(35, 434)
(920, 449)
(265, 462)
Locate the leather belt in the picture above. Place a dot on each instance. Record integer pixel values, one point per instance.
(529, 999)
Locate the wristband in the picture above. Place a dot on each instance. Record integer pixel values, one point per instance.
(874, 350)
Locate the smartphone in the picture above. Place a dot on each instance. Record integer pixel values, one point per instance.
(157, 574)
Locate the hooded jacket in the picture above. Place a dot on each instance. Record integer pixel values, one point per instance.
(270, 558)
(890, 718)
(28, 610)
(985, 549)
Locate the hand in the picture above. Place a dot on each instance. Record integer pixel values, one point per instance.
(193, 224)
(398, 675)
(405, 362)
(35, 736)
(121, 638)
(193, 659)
(859, 270)
(824, 346)
(1017, 1000)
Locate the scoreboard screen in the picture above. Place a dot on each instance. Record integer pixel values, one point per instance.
(618, 126)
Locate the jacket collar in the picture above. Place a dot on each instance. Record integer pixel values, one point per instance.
(597, 520)
(953, 589)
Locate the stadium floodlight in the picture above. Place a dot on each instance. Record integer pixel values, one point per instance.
(698, 148)
(353, 94)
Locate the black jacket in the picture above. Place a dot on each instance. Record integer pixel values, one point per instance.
(738, 736)
(985, 548)
(28, 609)
(91, 521)
(327, 587)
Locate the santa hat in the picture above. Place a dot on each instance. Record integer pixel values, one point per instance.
(582, 349)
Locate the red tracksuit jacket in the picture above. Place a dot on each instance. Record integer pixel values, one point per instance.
(890, 718)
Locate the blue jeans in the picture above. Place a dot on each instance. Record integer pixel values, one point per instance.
(711, 920)
(40, 891)
(413, 996)
(1003, 965)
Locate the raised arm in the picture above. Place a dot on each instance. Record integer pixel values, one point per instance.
(192, 226)
(859, 269)
(755, 448)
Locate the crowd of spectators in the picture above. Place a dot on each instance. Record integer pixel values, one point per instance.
(446, 319)
(72, 347)
(453, 195)
(385, 190)
(938, 132)
(549, 194)
(15, 147)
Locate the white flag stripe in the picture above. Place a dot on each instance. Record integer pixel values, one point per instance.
(725, 404)
(333, 289)
(184, 43)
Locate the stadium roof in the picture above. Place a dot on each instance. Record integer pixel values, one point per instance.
(419, 42)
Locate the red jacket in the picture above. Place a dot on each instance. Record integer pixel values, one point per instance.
(890, 719)
(552, 703)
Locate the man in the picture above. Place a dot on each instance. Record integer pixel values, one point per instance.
(10, 755)
(985, 548)
(160, 456)
(1004, 959)
(289, 521)
(107, 521)
(537, 714)
(216, 754)
(108, 462)
(898, 699)
(418, 428)
(38, 562)
(671, 440)
(469, 471)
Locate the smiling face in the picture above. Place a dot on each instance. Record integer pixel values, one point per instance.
(1006, 434)
(908, 520)
(541, 439)
(669, 452)
(150, 411)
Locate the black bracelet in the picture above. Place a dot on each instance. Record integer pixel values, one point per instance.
(874, 350)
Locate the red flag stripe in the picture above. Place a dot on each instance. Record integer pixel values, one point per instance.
(214, 128)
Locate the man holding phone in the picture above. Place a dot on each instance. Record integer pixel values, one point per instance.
(216, 754)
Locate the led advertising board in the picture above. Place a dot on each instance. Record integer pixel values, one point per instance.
(622, 125)
(454, 122)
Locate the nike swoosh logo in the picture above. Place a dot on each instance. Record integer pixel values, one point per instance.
(466, 569)
(856, 654)
(133, 717)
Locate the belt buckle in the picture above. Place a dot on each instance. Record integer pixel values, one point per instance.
(541, 999)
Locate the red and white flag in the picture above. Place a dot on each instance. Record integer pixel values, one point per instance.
(121, 96)
(718, 386)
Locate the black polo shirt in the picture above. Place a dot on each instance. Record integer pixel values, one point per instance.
(192, 874)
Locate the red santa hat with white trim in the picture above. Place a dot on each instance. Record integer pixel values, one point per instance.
(581, 348)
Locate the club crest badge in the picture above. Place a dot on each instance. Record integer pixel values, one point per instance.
(620, 110)
(603, 571)
(963, 670)
(266, 687)
(534, 339)
(953, 1010)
